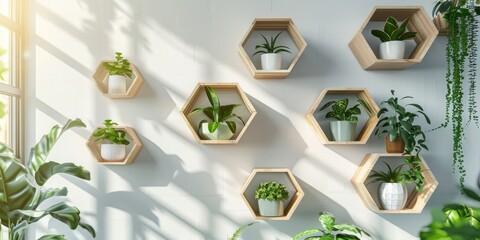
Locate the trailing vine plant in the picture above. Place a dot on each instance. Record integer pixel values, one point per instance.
(461, 55)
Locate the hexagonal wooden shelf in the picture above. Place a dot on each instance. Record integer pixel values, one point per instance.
(282, 175)
(133, 151)
(360, 93)
(420, 22)
(416, 201)
(100, 77)
(228, 93)
(272, 24)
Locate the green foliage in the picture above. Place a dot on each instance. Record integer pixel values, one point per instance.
(239, 231)
(3, 68)
(398, 175)
(20, 198)
(110, 133)
(397, 121)
(461, 56)
(442, 6)
(393, 32)
(454, 221)
(332, 231)
(390, 176)
(341, 112)
(272, 191)
(217, 113)
(120, 66)
(270, 47)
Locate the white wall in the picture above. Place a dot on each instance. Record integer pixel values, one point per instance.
(179, 189)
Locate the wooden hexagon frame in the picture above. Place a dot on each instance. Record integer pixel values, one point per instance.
(228, 87)
(416, 201)
(420, 22)
(93, 146)
(272, 24)
(367, 129)
(292, 204)
(100, 77)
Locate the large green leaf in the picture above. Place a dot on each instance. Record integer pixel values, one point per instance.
(62, 211)
(88, 228)
(327, 220)
(214, 101)
(39, 153)
(41, 196)
(49, 169)
(16, 190)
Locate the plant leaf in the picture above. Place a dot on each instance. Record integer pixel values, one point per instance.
(214, 101)
(49, 169)
(327, 220)
(239, 231)
(384, 37)
(307, 232)
(53, 237)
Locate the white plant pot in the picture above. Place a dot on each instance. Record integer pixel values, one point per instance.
(221, 133)
(271, 208)
(392, 50)
(117, 84)
(112, 152)
(393, 196)
(271, 61)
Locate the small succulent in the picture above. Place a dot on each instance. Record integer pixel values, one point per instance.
(270, 47)
(393, 32)
(272, 191)
(120, 66)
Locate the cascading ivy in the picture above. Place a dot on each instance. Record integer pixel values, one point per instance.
(461, 46)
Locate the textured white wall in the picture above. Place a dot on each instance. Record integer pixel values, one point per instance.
(179, 189)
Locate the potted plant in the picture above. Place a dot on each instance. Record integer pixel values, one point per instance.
(271, 198)
(442, 6)
(332, 231)
(344, 128)
(239, 231)
(392, 190)
(461, 75)
(271, 58)
(113, 145)
(118, 70)
(392, 36)
(25, 199)
(398, 124)
(219, 126)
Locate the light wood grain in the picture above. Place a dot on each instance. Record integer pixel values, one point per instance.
(419, 22)
(130, 157)
(100, 78)
(290, 206)
(272, 24)
(416, 201)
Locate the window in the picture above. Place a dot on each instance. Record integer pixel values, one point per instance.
(11, 74)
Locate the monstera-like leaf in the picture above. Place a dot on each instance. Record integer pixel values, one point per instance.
(39, 153)
(48, 169)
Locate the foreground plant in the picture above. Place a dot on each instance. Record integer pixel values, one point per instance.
(332, 231)
(239, 231)
(21, 190)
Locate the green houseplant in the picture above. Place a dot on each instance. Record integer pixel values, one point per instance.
(344, 128)
(271, 58)
(113, 146)
(397, 121)
(117, 71)
(392, 187)
(392, 37)
(219, 126)
(461, 74)
(271, 198)
(332, 231)
(21, 191)
(239, 231)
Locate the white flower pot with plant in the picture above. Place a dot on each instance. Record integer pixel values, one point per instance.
(271, 198)
(118, 71)
(398, 124)
(218, 127)
(392, 191)
(271, 58)
(113, 140)
(344, 129)
(392, 37)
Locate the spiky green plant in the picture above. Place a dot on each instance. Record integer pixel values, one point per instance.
(270, 46)
(393, 32)
(341, 112)
(390, 176)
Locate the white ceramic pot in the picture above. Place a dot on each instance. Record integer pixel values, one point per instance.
(117, 84)
(112, 152)
(221, 133)
(271, 208)
(392, 50)
(393, 196)
(343, 131)
(271, 61)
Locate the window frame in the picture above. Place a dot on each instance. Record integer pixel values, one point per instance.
(16, 24)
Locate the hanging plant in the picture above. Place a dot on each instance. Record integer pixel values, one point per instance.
(461, 55)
